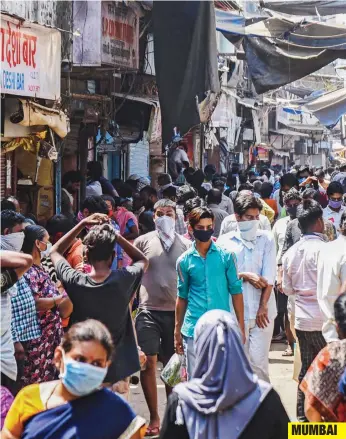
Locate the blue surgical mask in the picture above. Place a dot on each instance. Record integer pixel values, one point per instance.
(80, 379)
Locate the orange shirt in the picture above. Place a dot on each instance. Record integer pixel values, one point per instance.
(74, 256)
(272, 203)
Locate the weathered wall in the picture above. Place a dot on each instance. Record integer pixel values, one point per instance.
(42, 12)
(46, 12)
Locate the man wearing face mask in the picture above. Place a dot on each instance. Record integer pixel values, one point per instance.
(287, 181)
(207, 279)
(255, 252)
(157, 296)
(164, 181)
(292, 199)
(335, 209)
(18, 311)
(300, 280)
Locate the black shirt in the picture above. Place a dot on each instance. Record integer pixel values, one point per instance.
(107, 302)
(269, 422)
(8, 278)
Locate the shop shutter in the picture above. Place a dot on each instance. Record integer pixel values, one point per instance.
(139, 159)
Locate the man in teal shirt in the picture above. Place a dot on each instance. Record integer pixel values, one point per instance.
(207, 277)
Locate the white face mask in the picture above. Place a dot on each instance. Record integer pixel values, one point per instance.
(165, 227)
(12, 242)
(248, 229)
(45, 253)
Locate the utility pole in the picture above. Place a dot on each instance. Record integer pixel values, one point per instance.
(343, 130)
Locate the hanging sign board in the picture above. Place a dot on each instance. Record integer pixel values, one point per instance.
(30, 57)
(120, 35)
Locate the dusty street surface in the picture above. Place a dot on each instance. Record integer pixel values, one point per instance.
(281, 370)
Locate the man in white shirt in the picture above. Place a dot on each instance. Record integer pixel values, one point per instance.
(331, 277)
(335, 209)
(230, 223)
(255, 252)
(300, 279)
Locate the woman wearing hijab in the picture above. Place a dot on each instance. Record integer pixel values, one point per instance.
(224, 399)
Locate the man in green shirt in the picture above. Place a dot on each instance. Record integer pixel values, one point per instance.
(207, 277)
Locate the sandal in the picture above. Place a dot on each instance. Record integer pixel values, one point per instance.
(153, 432)
(288, 352)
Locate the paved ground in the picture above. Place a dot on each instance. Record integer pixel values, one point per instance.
(281, 370)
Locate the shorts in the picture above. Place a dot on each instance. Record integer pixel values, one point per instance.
(281, 303)
(155, 332)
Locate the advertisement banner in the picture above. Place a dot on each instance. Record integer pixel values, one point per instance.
(30, 59)
(120, 35)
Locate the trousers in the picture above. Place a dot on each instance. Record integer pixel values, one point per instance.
(310, 344)
(189, 355)
(257, 347)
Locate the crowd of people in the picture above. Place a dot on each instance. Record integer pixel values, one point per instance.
(212, 267)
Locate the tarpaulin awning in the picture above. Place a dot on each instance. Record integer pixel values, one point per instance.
(274, 64)
(286, 132)
(329, 107)
(185, 62)
(306, 7)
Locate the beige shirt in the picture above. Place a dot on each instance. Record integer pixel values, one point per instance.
(330, 278)
(158, 291)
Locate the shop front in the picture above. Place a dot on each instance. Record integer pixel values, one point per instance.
(30, 127)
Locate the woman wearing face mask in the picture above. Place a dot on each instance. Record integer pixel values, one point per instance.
(51, 307)
(75, 405)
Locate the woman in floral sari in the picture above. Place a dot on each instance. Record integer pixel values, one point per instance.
(128, 224)
(51, 306)
(323, 399)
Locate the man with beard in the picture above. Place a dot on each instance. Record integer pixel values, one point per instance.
(70, 186)
(148, 196)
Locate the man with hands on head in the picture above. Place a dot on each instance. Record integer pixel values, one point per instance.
(104, 294)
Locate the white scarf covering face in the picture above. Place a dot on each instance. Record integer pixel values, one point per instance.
(12, 242)
(165, 227)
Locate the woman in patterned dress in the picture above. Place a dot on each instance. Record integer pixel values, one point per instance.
(324, 400)
(51, 307)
